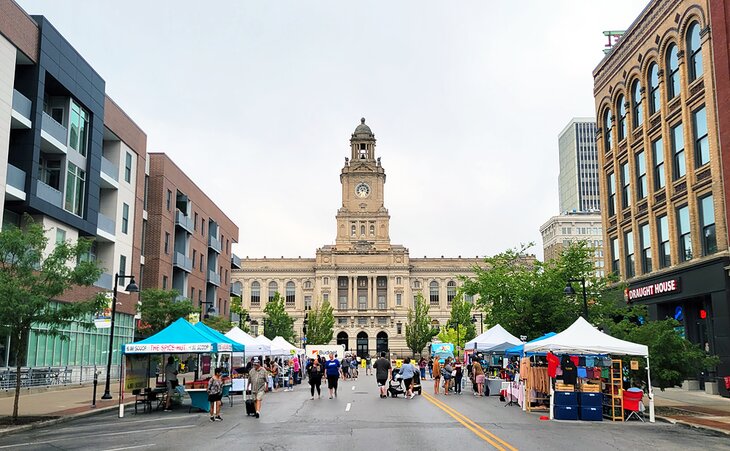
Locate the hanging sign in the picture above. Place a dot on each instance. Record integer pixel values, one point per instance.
(103, 318)
(651, 290)
(634, 364)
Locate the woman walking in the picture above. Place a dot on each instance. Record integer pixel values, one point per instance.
(478, 378)
(436, 376)
(315, 378)
(334, 371)
(215, 393)
(446, 373)
(459, 375)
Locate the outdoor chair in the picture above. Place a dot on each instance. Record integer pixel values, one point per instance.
(139, 398)
(632, 404)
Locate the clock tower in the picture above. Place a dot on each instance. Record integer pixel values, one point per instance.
(363, 221)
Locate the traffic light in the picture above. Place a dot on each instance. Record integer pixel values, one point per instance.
(703, 314)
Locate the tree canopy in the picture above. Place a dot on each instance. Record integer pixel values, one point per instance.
(219, 323)
(237, 308)
(320, 324)
(159, 308)
(419, 330)
(277, 320)
(460, 321)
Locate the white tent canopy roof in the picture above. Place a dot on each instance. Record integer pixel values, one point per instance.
(582, 338)
(253, 347)
(494, 339)
(279, 346)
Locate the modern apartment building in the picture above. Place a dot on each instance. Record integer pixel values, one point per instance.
(661, 97)
(74, 161)
(562, 230)
(578, 177)
(188, 240)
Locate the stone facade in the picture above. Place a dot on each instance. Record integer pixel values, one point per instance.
(370, 282)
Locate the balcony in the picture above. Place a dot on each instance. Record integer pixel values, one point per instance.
(235, 261)
(106, 228)
(184, 221)
(53, 135)
(109, 174)
(15, 186)
(181, 261)
(214, 278)
(236, 289)
(20, 117)
(214, 244)
(49, 194)
(105, 281)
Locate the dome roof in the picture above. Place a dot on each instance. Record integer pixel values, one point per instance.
(363, 131)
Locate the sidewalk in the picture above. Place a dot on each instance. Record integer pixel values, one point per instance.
(693, 408)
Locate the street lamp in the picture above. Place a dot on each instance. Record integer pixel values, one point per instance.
(210, 310)
(304, 329)
(481, 321)
(131, 288)
(571, 292)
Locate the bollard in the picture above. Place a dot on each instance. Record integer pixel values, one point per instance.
(96, 380)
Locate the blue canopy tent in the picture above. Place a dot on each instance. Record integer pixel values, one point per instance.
(520, 349)
(219, 337)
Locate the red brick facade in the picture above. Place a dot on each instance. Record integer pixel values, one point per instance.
(720, 27)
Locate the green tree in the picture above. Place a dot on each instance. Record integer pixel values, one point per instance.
(460, 321)
(419, 330)
(159, 308)
(237, 308)
(277, 322)
(219, 323)
(320, 324)
(31, 282)
(451, 335)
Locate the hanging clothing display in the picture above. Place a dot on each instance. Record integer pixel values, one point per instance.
(552, 364)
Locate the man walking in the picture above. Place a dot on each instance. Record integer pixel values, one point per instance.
(383, 372)
(334, 370)
(258, 383)
(170, 381)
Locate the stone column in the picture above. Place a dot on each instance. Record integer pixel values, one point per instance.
(371, 295)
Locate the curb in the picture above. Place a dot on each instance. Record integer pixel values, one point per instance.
(42, 424)
(720, 432)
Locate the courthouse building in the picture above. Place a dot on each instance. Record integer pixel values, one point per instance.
(369, 282)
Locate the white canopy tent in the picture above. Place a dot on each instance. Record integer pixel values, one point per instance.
(253, 347)
(282, 347)
(582, 338)
(495, 339)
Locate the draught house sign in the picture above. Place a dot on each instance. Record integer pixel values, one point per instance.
(652, 290)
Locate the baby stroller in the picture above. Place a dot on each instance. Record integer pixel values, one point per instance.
(416, 384)
(395, 386)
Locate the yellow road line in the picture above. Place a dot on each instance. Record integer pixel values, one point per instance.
(471, 425)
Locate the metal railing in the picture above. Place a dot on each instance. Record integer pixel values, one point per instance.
(105, 280)
(110, 169)
(49, 194)
(50, 376)
(214, 278)
(16, 177)
(235, 289)
(184, 221)
(54, 129)
(235, 261)
(21, 104)
(183, 262)
(106, 224)
(214, 243)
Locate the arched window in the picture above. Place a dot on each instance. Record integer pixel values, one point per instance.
(636, 111)
(435, 324)
(290, 294)
(672, 72)
(694, 49)
(372, 230)
(653, 88)
(255, 293)
(607, 124)
(308, 284)
(273, 288)
(362, 230)
(353, 230)
(434, 292)
(621, 108)
(450, 291)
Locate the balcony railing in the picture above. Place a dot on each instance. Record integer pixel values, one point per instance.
(235, 261)
(214, 244)
(106, 224)
(16, 177)
(235, 290)
(183, 262)
(110, 169)
(184, 221)
(105, 280)
(53, 128)
(214, 278)
(49, 194)
(22, 104)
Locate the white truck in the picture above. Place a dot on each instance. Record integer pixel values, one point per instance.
(313, 351)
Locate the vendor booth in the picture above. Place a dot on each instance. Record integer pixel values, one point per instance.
(581, 346)
(531, 385)
(279, 346)
(493, 343)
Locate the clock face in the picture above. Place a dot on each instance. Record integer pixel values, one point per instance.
(362, 190)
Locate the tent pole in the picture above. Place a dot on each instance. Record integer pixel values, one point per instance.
(651, 392)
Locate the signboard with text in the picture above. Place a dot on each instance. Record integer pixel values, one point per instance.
(133, 348)
(652, 290)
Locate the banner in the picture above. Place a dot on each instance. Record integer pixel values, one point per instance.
(136, 372)
(103, 318)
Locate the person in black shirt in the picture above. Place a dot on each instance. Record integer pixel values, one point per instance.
(383, 372)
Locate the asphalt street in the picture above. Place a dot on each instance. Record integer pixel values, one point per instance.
(358, 420)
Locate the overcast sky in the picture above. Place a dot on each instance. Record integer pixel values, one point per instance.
(256, 102)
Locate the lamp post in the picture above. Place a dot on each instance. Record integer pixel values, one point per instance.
(571, 292)
(210, 310)
(481, 321)
(304, 329)
(131, 288)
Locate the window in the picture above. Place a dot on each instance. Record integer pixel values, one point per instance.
(611, 194)
(167, 242)
(416, 284)
(399, 328)
(255, 294)
(78, 138)
(607, 124)
(168, 200)
(201, 262)
(128, 168)
(273, 288)
(434, 292)
(702, 145)
(663, 235)
(614, 256)
(654, 104)
(192, 293)
(625, 186)
(657, 150)
(621, 108)
(678, 151)
(694, 48)
(450, 291)
(672, 72)
(342, 320)
(343, 303)
(307, 302)
(641, 175)
(325, 281)
(399, 299)
(146, 190)
(202, 226)
(399, 280)
(195, 221)
(75, 187)
(636, 111)
(645, 248)
(362, 320)
(50, 172)
(372, 230)
(195, 257)
(308, 284)
(685, 237)
(122, 265)
(381, 302)
(164, 282)
(629, 250)
(290, 294)
(469, 298)
(362, 230)
(125, 218)
(60, 235)
(707, 217)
